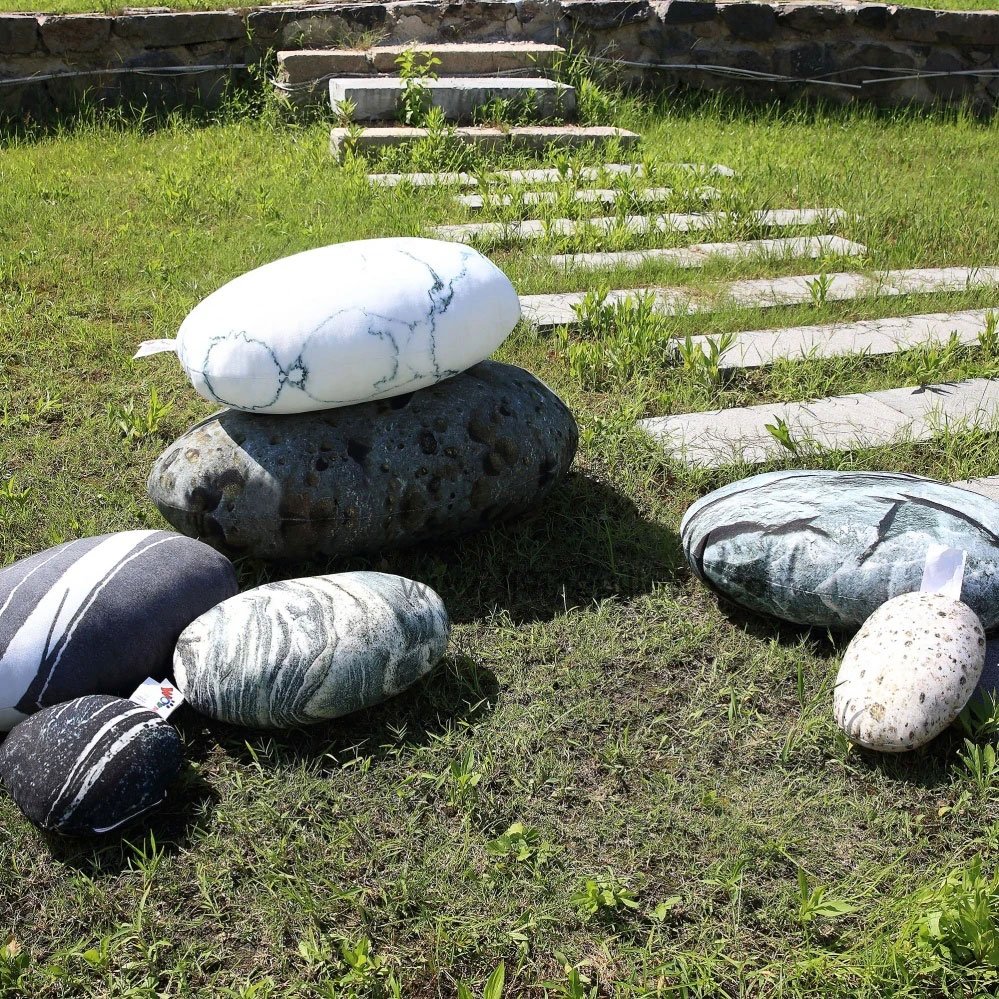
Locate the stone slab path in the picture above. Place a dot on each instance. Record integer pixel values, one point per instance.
(866, 419)
(988, 486)
(759, 348)
(547, 311)
(637, 224)
(600, 196)
(783, 247)
(545, 175)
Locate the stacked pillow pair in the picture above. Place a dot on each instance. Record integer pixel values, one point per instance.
(363, 415)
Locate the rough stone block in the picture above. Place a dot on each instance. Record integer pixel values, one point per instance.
(74, 32)
(967, 27)
(607, 14)
(915, 24)
(813, 18)
(18, 34)
(753, 22)
(688, 12)
(871, 15)
(948, 88)
(165, 30)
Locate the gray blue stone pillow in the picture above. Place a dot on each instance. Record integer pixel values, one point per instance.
(100, 614)
(828, 548)
(91, 765)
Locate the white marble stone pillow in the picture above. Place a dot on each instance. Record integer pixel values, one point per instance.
(345, 324)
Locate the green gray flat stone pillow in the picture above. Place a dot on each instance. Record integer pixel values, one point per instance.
(828, 548)
(308, 650)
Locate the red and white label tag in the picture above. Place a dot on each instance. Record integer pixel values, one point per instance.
(160, 696)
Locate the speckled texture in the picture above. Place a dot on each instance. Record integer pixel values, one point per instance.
(828, 548)
(91, 765)
(908, 672)
(346, 324)
(99, 615)
(308, 650)
(483, 446)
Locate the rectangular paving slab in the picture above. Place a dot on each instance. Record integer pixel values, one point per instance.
(987, 486)
(783, 247)
(543, 175)
(637, 224)
(546, 311)
(849, 422)
(759, 348)
(527, 137)
(459, 97)
(602, 196)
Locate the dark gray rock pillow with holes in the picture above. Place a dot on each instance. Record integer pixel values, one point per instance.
(99, 615)
(91, 765)
(481, 447)
(828, 548)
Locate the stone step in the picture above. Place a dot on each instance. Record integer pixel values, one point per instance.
(544, 175)
(783, 247)
(528, 229)
(871, 337)
(314, 66)
(533, 138)
(847, 422)
(547, 311)
(459, 97)
(597, 196)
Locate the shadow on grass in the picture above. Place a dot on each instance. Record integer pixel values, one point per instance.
(170, 828)
(586, 542)
(458, 690)
(823, 642)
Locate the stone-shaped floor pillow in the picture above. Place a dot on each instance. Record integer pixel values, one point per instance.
(345, 324)
(99, 615)
(908, 672)
(308, 650)
(828, 548)
(484, 446)
(91, 765)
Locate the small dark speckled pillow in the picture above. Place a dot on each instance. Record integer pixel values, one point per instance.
(91, 765)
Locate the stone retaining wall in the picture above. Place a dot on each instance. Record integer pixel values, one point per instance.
(834, 41)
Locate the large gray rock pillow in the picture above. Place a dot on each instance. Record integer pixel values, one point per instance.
(828, 548)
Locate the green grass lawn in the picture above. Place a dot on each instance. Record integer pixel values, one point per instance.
(614, 785)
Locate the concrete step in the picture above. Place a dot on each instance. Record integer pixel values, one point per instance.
(781, 248)
(544, 175)
(847, 422)
(533, 138)
(590, 196)
(459, 97)
(311, 66)
(548, 311)
(871, 337)
(509, 232)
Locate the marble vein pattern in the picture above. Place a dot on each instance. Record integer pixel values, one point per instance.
(308, 650)
(99, 615)
(828, 548)
(91, 765)
(345, 324)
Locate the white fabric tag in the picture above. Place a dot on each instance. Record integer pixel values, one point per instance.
(159, 696)
(148, 347)
(943, 572)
